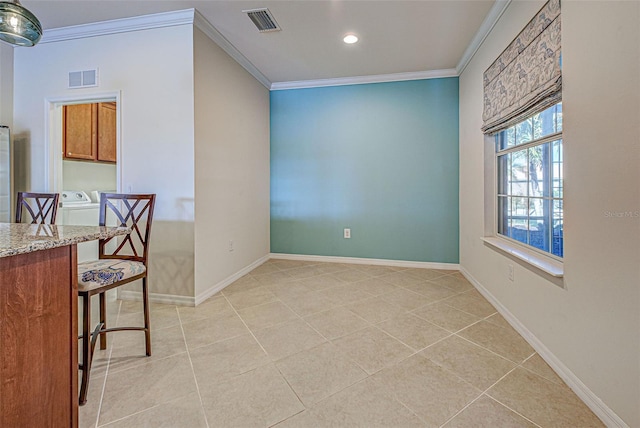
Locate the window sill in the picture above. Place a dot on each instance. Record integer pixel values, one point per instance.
(547, 265)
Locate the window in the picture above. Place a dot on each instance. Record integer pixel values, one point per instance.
(529, 190)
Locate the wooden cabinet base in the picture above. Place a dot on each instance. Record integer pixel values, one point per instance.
(38, 339)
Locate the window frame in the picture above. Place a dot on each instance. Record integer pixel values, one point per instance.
(545, 262)
(551, 138)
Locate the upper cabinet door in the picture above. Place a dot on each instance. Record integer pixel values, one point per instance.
(107, 132)
(80, 131)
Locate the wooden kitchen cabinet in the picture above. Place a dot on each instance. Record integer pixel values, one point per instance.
(107, 132)
(89, 132)
(79, 133)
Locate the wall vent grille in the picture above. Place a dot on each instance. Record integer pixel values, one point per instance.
(263, 20)
(83, 79)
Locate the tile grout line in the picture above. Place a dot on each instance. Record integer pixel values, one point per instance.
(326, 341)
(411, 312)
(561, 383)
(331, 341)
(370, 376)
(375, 325)
(193, 372)
(519, 366)
(455, 374)
(292, 390)
(106, 372)
(393, 395)
(513, 410)
(484, 347)
(418, 351)
(484, 393)
(490, 350)
(132, 414)
(305, 321)
(109, 364)
(245, 324)
(278, 326)
(485, 318)
(267, 354)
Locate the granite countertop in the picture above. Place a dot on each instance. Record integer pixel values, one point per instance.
(20, 238)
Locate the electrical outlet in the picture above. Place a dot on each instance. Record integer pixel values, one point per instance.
(347, 234)
(230, 245)
(510, 272)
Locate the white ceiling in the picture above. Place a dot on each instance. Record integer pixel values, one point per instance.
(395, 36)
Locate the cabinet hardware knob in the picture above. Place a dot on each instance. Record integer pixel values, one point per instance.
(68, 153)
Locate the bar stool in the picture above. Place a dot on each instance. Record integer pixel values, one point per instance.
(125, 264)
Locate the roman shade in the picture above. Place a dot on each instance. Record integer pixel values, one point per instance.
(527, 77)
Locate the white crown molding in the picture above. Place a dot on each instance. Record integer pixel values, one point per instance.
(487, 25)
(205, 26)
(360, 80)
(604, 412)
(192, 16)
(363, 261)
(145, 22)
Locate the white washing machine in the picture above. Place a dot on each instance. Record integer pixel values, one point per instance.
(79, 210)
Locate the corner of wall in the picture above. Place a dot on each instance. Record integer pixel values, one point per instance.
(6, 85)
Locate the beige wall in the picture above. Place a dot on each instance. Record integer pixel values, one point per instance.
(194, 127)
(231, 166)
(6, 84)
(6, 119)
(591, 326)
(153, 72)
(88, 176)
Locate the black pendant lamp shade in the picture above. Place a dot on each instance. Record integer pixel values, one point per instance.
(18, 26)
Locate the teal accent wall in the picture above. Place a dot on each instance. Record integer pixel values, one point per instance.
(380, 159)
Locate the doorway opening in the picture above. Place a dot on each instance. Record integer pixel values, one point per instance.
(84, 158)
(84, 147)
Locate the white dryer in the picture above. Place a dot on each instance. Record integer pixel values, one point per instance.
(79, 210)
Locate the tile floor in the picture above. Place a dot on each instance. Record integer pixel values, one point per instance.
(298, 344)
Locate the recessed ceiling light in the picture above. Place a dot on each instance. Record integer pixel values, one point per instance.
(350, 39)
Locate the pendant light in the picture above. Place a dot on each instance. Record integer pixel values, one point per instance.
(18, 26)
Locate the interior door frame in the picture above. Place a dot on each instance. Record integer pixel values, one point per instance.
(53, 134)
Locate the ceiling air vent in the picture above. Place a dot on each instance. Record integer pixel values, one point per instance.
(263, 19)
(83, 79)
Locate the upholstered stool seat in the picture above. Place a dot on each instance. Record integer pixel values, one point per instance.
(98, 273)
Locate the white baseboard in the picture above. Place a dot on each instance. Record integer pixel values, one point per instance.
(363, 261)
(170, 299)
(331, 259)
(597, 406)
(229, 280)
(167, 299)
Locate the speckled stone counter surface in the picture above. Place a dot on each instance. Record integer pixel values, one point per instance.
(17, 238)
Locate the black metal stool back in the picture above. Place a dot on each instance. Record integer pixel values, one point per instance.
(134, 211)
(39, 208)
